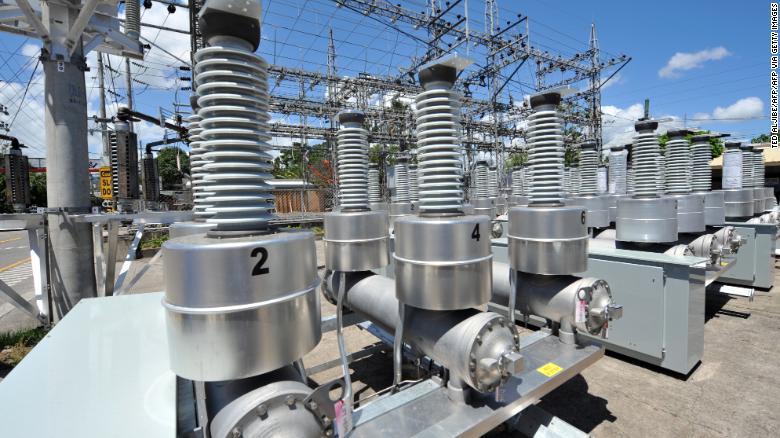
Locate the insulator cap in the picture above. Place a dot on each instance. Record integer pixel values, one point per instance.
(545, 99)
(438, 73)
(401, 160)
(589, 144)
(678, 133)
(351, 116)
(746, 146)
(732, 144)
(215, 22)
(646, 125)
(482, 163)
(701, 137)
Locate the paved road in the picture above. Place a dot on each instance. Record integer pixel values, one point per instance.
(16, 272)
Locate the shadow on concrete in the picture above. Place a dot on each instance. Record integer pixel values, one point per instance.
(572, 403)
(714, 307)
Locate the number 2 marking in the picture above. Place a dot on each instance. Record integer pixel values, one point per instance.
(259, 269)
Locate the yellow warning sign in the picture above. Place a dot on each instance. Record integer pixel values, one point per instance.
(106, 191)
(549, 369)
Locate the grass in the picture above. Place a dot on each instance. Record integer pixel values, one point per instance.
(14, 346)
(154, 242)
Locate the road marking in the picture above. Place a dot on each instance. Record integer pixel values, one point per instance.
(14, 264)
(11, 240)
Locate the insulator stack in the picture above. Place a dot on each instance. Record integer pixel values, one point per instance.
(482, 180)
(401, 182)
(197, 169)
(492, 182)
(545, 155)
(646, 217)
(437, 114)
(547, 237)
(646, 159)
(589, 166)
(630, 181)
(456, 270)
(661, 180)
(352, 159)
(678, 165)
(518, 180)
(17, 179)
(414, 188)
(758, 168)
(690, 206)
(574, 181)
(701, 174)
(747, 166)
(374, 189)
(232, 85)
(737, 182)
(133, 19)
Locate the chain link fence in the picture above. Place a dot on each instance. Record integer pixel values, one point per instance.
(303, 204)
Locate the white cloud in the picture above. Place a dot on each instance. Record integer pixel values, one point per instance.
(682, 61)
(746, 108)
(618, 123)
(743, 108)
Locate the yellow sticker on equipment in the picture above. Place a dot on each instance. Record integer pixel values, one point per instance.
(549, 369)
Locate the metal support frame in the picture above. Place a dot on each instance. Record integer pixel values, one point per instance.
(37, 238)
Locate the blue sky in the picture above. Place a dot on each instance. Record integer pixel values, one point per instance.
(696, 60)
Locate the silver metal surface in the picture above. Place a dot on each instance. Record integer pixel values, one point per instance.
(518, 201)
(356, 240)
(556, 298)
(589, 164)
(708, 246)
(690, 213)
(518, 181)
(228, 300)
(738, 202)
(701, 174)
(758, 200)
(378, 206)
(181, 229)
(548, 240)
(646, 220)
(597, 208)
(401, 172)
(276, 409)
(430, 412)
(714, 207)
(484, 206)
(678, 169)
(398, 210)
(443, 263)
(472, 345)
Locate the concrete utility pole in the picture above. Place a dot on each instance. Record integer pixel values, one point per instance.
(72, 273)
(106, 158)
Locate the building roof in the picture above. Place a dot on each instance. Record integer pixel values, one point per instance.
(771, 157)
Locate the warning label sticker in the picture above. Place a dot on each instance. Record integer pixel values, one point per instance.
(549, 369)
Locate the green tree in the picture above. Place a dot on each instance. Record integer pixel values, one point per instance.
(38, 189)
(169, 172)
(763, 138)
(716, 144)
(311, 161)
(383, 154)
(517, 159)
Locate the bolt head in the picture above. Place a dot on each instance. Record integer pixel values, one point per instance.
(262, 410)
(513, 363)
(290, 400)
(235, 433)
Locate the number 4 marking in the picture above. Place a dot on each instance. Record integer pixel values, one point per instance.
(475, 233)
